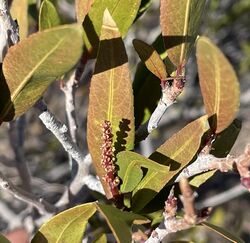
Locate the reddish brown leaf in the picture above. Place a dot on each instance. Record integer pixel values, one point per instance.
(111, 96)
(219, 84)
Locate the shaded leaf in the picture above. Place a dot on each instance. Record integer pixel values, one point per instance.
(67, 226)
(219, 84)
(19, 11)
(225, 140)
(123, 13)
(3, 239)
(179, 24)
(223, 232)
(110, 96)
(31, 65)
(48, 16)
(82, 9)
(151, 59)
(145, 4)
(120, 222)
(182, 147)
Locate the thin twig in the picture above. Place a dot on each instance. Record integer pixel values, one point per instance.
(16, 138)
(42, 206)
(171, 222)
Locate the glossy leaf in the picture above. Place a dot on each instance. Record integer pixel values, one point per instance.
(226, 234)
(30, 66)
(67, 226)
(151, 59)
(111, 96)
(123, 13)
(179, 24)
(48, 16)
(219, 84)
(19, 11)
(182, 147)
(132, 166)
(120, 222)
(82, 9)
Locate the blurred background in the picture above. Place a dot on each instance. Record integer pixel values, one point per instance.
(226, 22)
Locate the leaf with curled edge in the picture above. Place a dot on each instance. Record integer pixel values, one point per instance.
(180, 22)
(132, 167)
(30, 66)
(151, 59)
(219, 84)
(48, 16)
(111, 97)
(19, 11)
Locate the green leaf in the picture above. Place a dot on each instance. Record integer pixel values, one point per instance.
(111, 97)
(131, 167)
(151, 59)
(223, 232)
(180, 23)
(82, 9)
(182, 147)
(67, 226)
(120, 222)
(48, 16)
(198, 180)
(3, 239)
(219, 84)
(123, 13)
(30, 66)
(19, 11)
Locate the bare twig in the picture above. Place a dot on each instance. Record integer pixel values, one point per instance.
(60, 131)
(9, 31)
(206, 162)
(16, 138)
(171, 89)
(42, 206)
(171, 222)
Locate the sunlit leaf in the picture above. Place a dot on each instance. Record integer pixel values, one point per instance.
(201, 178)
(31, 65)
(67, 226)
(151, 59)
(219, 84)
(82, 8)
(132, 166)
(145, 4)
(120, 222)
(226, 234)
(48, 16)
(182, 147)
(110, 96)
(179, 24)
(101, 239)
(19, 11)
(123, 13)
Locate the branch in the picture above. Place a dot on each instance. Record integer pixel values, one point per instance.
(42, 206)
(9, 30)
(16, 138)
(171, 222)
(206, 162)
(60, 131)
(171, 89)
